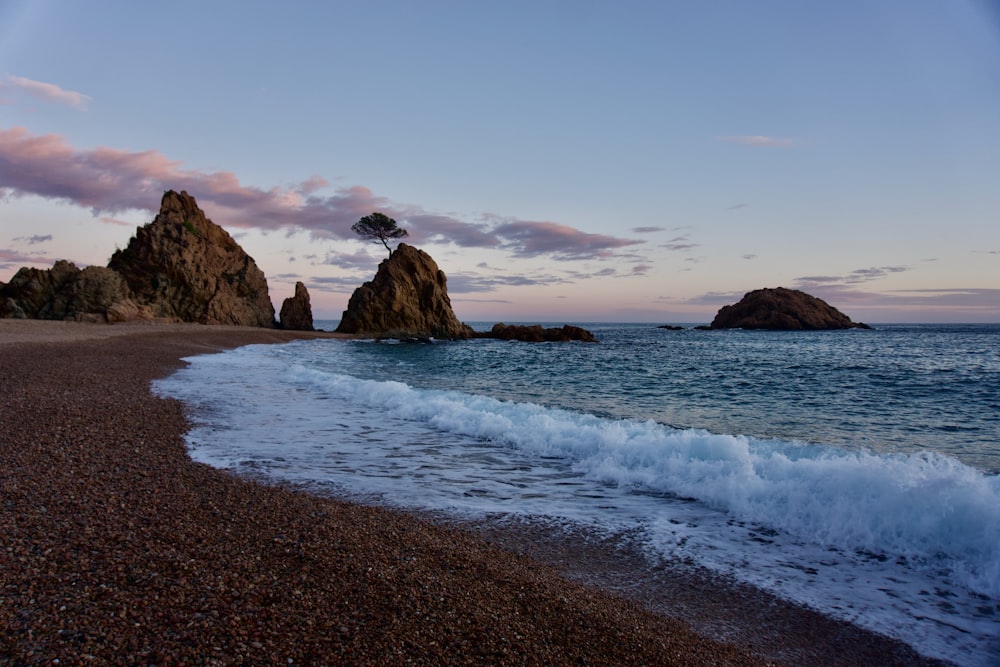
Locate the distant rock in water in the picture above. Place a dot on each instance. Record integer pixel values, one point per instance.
(67, 292)
(408, 298)
(670, 327)
(537, 334)
(782, 309)
(296, 311)
(185, 267)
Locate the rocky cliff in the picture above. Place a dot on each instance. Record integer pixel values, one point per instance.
(185, 267)
(67, 292)
(296, 311)
(408, 298)
(782, 309)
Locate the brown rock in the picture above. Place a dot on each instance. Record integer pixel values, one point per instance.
(31, 292)
(65, 292)
(408, 298)
(99, 291)
(185, 267)
(537, 334)
(296, 311)
(782, 309)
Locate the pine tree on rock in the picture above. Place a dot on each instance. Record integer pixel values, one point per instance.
(379, 227)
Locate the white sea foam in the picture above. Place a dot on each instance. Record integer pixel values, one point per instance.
(925, 507)
(908, 545)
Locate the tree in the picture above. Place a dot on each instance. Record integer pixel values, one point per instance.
(379, 227)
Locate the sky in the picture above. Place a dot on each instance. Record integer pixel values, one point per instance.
(564, 161)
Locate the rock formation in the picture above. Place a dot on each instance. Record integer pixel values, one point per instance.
(31, 292)
(408, 298)
(181, 266)
(537, 334)
(185, 267)
(782, 309)
(296, 311)
(66, 292)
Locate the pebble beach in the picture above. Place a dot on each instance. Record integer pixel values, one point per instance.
(116, 548)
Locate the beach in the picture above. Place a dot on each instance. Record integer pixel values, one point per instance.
(118, 549)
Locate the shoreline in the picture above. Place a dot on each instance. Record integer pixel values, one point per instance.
(124, 549)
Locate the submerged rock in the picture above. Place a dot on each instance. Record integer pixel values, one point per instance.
(296, 311)
(535, 333)
(185, 267)
(407, 299)
(782, 309)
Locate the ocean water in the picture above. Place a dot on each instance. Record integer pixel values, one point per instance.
(852, 471)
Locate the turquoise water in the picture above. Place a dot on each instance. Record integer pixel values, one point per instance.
(851, 471)
(902, 388)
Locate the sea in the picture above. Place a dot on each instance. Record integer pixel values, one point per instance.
(856, 472)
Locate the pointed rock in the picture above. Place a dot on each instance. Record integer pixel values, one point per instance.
(296, 311)
(408, 298)
(186, 267)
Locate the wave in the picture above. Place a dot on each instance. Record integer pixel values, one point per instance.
(930, 509)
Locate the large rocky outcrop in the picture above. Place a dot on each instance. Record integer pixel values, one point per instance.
(67, 292)
(535, 333)
(408, 298)
(185, 267)
(782, 309)
(296, 311)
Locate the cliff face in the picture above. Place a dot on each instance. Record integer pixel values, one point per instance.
(782, 309)
(185, 267)
(408, 298)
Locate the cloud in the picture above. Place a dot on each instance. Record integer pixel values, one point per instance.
(359, 260)
(679, 243)
(968, 298)
(853, 278)
(47, 91)
(714, 299)
(33, 240)
(737, 206)
(646, 230)
(110, 181)
(758, 141)
(10, 259)
(115, 221)
(749, 256)
(337, 284)
(529, 239)
(468, 283)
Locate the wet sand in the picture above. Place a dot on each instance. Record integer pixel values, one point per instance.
(116, 548)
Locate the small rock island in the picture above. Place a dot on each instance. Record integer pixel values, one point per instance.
(407, 299)
(782, 309)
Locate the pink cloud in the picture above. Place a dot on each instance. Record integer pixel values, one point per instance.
(48, 92)
(11, 259)
(109, 181)
(526, 238)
